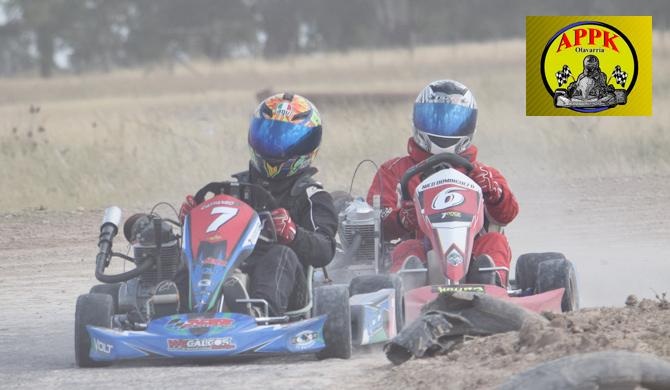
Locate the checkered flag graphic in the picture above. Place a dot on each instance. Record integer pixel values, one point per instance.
(620, 76)
(563, 75)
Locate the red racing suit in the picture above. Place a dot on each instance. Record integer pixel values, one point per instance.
(386, 182)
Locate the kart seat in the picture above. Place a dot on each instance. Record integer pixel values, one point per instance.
(305, 311)
(236, 286)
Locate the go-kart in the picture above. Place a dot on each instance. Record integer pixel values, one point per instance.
(136, 314)
(450, 213)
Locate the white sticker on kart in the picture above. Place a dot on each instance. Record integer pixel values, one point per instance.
(225, 215)
(447, 198)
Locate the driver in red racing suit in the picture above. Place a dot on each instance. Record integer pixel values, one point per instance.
(445, 117)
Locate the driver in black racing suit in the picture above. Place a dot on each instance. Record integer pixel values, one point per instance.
(284, 137)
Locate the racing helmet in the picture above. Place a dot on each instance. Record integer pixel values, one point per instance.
(444, 117)
(284, 135)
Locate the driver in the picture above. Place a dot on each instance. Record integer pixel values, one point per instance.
(445, 118)
(284, 138)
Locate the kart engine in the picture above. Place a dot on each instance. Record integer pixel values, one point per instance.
(360, 234)
(150, 238)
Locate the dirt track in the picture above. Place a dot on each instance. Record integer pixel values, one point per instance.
(616, 240)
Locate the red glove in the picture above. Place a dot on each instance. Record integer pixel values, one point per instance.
(407, 216)
(186, 208)
(491, 189)
(284, 226)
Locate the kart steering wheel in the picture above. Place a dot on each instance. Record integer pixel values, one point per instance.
(266, 202)
(431, 164)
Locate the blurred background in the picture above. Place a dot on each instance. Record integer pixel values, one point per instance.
(76, 36)
(131, 102)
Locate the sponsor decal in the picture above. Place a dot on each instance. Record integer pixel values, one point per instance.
(177, 323)
(305, 339)
(198, 326)
(453, 214)
(584, 65)
(215, 261)
(454, 256)
(219, 203)
(447, 198)
(284, 110)
(453, 289)
(195, 345)
(102, 347)
(215, 238)
(436, 183)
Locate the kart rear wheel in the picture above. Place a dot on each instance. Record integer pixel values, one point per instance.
(333, 301)
(526, 268)
(92, 309)
(365, 284)
(559, 273)
(109, 289)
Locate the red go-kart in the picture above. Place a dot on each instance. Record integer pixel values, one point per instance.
(450, 213)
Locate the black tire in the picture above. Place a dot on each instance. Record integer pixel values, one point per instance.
(333, 301)
(109, 289)
(601, 370)
(559, 273)
(92, 309)
(340, 200)
(364, 284)
(526, 268)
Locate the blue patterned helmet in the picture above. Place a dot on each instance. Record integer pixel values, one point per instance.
(445, 117)
(284, 135)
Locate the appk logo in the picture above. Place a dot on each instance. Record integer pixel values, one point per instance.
(588, 65)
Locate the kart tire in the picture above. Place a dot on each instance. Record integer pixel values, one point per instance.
(109, 289)
(92, 309)
(596, 370)
(365, 284)
(559, 273)
(333, 301)
(526, 268)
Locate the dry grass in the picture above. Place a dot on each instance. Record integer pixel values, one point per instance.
(134, 137)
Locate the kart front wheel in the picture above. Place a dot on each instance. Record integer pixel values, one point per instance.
(92, 309)
(109, 289)
(527, 265)
(559, 273)
(333, 301)
(364, 284)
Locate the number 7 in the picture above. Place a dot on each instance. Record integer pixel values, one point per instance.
(226, 214)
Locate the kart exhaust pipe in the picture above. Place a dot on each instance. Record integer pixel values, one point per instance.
(108, 230)
(112, 216)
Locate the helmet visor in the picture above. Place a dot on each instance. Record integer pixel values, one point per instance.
(280, 140)
(444, 120)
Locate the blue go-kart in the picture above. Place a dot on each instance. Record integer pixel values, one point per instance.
(139, 314)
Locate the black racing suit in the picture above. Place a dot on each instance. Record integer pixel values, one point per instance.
(277, 272)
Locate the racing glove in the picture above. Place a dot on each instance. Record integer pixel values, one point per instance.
(491, 189)
(284, 226)
(407, 216)
(186, 208)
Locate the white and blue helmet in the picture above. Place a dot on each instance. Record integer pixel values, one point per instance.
(445, 117)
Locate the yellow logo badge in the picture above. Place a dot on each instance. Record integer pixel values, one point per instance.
(588, 65)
